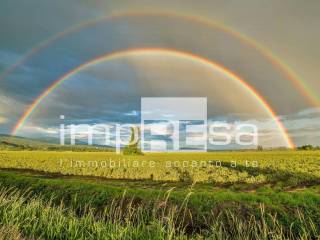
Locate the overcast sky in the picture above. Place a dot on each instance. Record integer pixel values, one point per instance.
(111, 91)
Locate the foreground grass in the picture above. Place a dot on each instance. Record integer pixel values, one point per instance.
(54, 195)
(85, 209)
(23, 216)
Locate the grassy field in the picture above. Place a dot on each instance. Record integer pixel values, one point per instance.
(219, 195)
(287, 168)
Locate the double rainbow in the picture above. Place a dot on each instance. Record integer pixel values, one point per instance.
(290, 74)
(171, 52)
(276, 61)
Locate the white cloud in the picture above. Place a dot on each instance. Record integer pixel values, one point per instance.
(132, 113)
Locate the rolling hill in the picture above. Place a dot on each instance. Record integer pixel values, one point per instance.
(8, 142)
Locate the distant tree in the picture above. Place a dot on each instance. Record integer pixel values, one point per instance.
(260, 148)
(133, 147)
(306, 147)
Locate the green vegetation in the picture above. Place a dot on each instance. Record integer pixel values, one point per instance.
(279, 169)
(309, 147)
(10, 143)
(82, 209)
(217, 195)
(133, 146)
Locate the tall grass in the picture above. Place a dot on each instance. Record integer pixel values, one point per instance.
(25, 216)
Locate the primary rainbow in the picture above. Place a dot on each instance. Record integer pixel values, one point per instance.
(286, 70)
(144, 51)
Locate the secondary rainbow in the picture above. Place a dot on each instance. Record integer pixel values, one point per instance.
(286, 70)
(172, 52)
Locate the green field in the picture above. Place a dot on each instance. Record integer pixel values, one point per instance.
(287, 168)
(218, 195)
